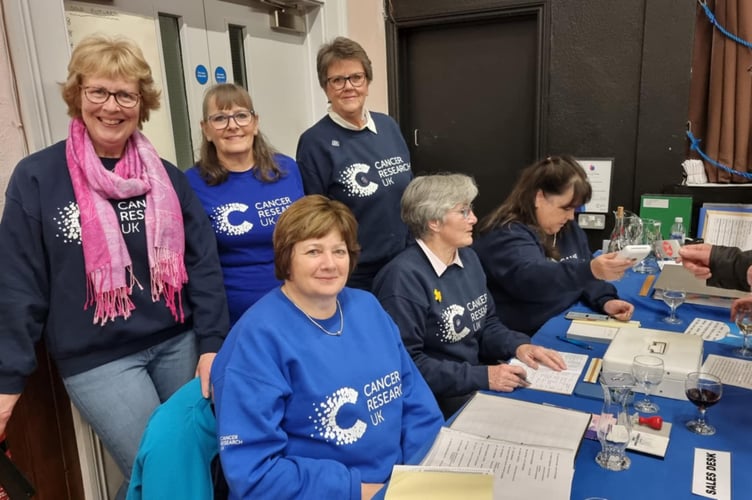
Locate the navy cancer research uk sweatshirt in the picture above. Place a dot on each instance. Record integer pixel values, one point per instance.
(528, 288)
(43, 279)
(366, 171)
(448, 323)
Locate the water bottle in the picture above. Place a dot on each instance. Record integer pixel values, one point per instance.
(677, 230)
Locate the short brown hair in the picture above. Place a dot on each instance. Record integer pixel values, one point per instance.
(99, 55)
(339, 49)
(313, 216)
(225, 95)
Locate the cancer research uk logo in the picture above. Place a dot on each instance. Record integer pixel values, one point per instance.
(360, 181)
(454, 319)
(230, 219)
(330, 416)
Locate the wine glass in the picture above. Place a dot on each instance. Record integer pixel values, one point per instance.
(648, 372)
(651, 233)
(673, 299)
(704, 390)
(743, 319)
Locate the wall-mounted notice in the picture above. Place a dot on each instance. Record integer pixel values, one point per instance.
(598, 171)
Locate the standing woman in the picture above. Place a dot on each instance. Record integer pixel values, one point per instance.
(244, 186)
(107, 254)
(357, 157)
(537, 258)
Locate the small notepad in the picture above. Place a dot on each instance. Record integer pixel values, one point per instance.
(546, 379)
(708, 329)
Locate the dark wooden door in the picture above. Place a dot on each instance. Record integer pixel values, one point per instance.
(470, 98)
(41, 436)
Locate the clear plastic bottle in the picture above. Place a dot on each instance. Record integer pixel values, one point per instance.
(677, 230)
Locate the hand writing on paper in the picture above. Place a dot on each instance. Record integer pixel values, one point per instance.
(696, 258)
(506, 378)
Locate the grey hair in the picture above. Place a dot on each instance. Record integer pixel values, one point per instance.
(430, 197)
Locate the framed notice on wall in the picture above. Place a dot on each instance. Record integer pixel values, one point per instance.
(598, 171)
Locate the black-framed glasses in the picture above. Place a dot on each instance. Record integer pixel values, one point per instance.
(220, 121)
(338, 82)
(466, 211)
(99, 95)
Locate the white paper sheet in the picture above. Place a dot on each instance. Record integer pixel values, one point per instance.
(521, 471)
(546, 379)
(731, 371)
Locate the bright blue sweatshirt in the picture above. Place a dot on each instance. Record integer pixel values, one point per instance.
(43, 280)
(303, 414)
(367, 172)
(448, 322)
(243, 212)
(176, 450)
(528, 287)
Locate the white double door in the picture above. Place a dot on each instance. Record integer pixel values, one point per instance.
(192, 44)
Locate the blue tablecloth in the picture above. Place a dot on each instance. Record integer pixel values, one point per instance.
(650, 477)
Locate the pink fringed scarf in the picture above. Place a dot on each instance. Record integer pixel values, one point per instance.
(109, 271)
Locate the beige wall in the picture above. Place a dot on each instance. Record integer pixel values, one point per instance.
(365, 25)
(12, 145)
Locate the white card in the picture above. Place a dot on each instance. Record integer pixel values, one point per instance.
(708, 329)
(711, 477)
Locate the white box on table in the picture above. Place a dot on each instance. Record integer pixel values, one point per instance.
(681, 355)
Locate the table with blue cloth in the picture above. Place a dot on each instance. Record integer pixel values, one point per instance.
(651, 477)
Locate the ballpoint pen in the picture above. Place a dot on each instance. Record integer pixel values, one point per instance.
(578, 343)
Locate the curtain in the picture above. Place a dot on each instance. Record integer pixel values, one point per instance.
(720, 106)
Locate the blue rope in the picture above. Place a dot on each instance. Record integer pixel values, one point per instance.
(714, 21)
(695, 145)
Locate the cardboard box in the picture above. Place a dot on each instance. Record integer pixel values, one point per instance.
(681, 355)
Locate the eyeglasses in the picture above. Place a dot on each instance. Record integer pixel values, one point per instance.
(466, 211)
(220, 121)
(338, 82)
(99, 95)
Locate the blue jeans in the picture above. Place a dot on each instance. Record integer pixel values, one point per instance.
(118, 398)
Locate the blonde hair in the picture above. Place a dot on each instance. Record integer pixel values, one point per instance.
(109, 57)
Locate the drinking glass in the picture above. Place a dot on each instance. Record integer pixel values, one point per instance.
(648, 372)
(704, 390)
(673, 299)
(614, 425)
(743, 320)
(651, 233)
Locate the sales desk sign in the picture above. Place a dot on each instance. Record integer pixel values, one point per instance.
(712, 474)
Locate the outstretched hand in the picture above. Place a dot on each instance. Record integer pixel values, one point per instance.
(696, 258)
(609, 266)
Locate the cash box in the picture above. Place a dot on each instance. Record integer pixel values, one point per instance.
(681, 353)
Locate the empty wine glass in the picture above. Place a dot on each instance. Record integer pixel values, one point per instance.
(673, 299)
(651, 233)
(743, 319)
(648, 372)
(704, 390)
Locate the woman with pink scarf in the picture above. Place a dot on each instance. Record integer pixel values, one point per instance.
(107, 255)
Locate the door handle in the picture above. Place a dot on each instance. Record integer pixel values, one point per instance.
(415, 137)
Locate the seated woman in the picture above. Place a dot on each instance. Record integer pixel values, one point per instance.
(315, 394)
(436, 292)
(537, 258)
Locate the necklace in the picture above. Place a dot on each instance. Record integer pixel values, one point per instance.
(321, 327)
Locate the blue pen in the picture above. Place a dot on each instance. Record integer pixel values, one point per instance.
(578, 343)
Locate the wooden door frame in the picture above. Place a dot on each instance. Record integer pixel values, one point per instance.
(409, 14)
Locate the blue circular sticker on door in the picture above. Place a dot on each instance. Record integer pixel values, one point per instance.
(202, 74)
(220, 75)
